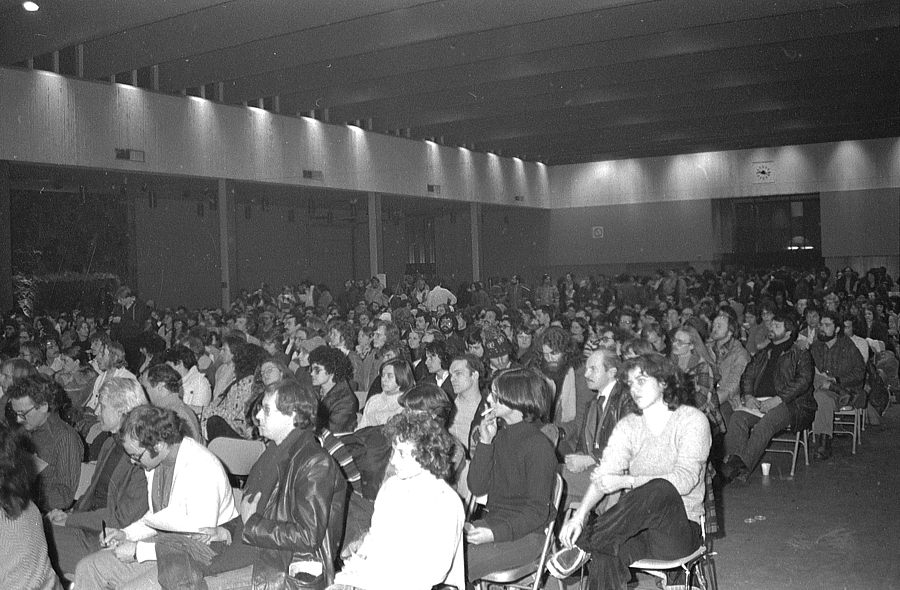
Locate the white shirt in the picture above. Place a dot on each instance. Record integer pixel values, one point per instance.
(437, 297)
(196, 388)
(415, 540)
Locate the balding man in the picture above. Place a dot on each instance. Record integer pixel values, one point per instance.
(611, 403)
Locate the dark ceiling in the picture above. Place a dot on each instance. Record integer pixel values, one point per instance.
(555, 81)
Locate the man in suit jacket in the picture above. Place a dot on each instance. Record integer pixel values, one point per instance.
(117, 493)
(612, 403)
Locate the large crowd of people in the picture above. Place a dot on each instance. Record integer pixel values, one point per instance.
(385, 408)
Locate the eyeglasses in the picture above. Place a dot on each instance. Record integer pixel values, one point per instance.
(681, 342)
(135, 459)
(24, 415)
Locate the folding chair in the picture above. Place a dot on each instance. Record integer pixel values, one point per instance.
(521, 577)
(799, 438)
(237, 455)
(850, 420)
(698, 567)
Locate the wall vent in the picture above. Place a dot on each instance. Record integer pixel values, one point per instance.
(434, 188)
(313, 175)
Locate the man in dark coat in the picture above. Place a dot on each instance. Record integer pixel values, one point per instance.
(776, 394)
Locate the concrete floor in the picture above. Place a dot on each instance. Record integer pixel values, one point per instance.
(835, 524)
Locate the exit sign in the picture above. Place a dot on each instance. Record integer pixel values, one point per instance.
(597, 232)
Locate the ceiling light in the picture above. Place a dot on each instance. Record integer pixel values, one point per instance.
(30, 6)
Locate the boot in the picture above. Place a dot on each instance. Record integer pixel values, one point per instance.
(824, 451)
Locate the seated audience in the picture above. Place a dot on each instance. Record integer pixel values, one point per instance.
(25, 564)
(659, 453)
(396, 379)
(331, 372)
(291, 513)
(839, 378)
(163, 386)
(415, 540)
(35, 401)
(465, 376)
(187, 490)
(227, 415)
(515, 465)
(730, 358)
(776, 394)
(196, 391)
(117, 492)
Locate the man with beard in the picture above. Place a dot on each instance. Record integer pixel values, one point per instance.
(838, 381)
(776, 393)
(563, 366)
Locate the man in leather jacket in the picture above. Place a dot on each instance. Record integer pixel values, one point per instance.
(291, 514)
(776, 394)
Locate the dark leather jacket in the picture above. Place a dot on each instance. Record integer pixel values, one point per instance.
(307, 501)
(844, 362)
(793, 382)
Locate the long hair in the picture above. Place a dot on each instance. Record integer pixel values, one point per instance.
(17, 474)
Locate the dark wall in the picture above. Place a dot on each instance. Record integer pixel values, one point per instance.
(635, 236)
(453, 250)
(861, 223)
(514, 241)
(274, 249)
(177, 253)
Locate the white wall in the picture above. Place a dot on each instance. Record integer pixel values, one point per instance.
(814, 168)
(47, 118)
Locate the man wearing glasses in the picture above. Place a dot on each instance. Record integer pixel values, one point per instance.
(58, 446)
(331, 372)
(187, 490)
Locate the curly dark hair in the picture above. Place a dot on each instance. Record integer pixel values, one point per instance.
(41, 389)
(677, 389)
(335, 362)
(429, 399)
(150, 425)
(17, 474)
(246, 360)
(432, 445)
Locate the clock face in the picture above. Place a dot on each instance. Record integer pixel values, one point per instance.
(763, 172)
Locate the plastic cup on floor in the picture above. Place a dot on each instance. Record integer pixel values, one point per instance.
(765, 469)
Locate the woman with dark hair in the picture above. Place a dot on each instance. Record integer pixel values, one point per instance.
(428, 398)
(659, 453)
(396, 379)
(227, 414)
(873, 327)
(515, 465)
(25, 564)
(415, 540)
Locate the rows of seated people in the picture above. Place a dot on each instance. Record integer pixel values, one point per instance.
(384, 407)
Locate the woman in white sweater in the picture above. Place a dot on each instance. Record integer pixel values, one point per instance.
(657, 457)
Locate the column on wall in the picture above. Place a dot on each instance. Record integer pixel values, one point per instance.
(475, 232)
(376, 248)
(6, 288)
(227, 242)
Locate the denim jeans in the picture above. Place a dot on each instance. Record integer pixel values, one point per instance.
(748, 435)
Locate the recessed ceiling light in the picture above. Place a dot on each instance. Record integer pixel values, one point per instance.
(31, 6)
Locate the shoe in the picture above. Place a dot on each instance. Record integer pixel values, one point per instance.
(823, 453)
(733, 468)
(815, 443)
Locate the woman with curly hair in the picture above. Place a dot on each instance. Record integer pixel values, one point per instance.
(226, 415)
(25, 564)
(658, 453)
(416, 536)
